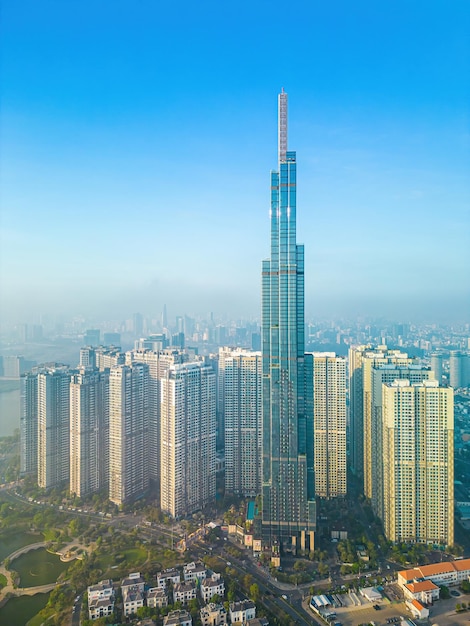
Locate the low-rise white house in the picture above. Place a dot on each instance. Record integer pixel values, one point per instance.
(194, 571)
(134, 580)
(184, 592)
(242, 611)
(213, 615)
(211, 586)
(168, 576)
(157, 597)
(178, 618)
(133, 588)
(132, 600)
(424, 591)
(100, 607)
(417, 609)
(100, 599)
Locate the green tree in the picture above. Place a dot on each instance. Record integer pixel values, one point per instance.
(254, 592)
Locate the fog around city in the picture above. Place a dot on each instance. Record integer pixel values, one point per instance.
(136, 174)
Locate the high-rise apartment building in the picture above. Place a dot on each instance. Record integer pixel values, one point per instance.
(188, 438)
(418, 451)
(381, 374)
(362, 359)
(53, 384)
(159, 362)
(89, 431)
(128, 432)
(329, 410)
(288, 489)
(240, 384)
(437, 365)
(29, 424)
(459, 369)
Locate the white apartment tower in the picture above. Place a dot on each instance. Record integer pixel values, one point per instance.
(53, 425)
(158, 361)
(418, 451)
(188, 438)
(128, 432)
(361, 361)
(29, 424)
(386, 374)
(240, 382)
(329, 402)
(89, 431)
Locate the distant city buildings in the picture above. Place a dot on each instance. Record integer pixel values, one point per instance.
(459, 369)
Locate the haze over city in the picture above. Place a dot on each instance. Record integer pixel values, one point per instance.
(138, 138)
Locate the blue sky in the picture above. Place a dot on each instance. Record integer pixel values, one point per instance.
(137, 140)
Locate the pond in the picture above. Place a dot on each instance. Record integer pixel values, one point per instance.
(19, 611)
(38, 567)
(13, 541)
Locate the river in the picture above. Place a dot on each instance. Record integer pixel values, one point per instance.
(9, 407)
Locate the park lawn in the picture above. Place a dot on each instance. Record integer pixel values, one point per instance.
(3, 581)
(136, 556)
(105, 561)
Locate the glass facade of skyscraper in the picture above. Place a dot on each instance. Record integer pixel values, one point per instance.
(288, 511)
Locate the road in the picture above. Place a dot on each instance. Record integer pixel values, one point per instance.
(271, 589)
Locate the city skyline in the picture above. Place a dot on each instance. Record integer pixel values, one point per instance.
(126, 133)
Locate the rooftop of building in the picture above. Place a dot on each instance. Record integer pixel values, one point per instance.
(424, 585)
(435, 569)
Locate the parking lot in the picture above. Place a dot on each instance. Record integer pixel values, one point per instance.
(441, 613)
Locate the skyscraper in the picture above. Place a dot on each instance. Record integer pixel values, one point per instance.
(128, 432)
(53, 426)
(288, 489)
(89, 431)
(29, 424)
(188, 434)
(329, 410)
(459, 369)
(386, 374)
(418, 452)
(159, 362)
(240, 388)
(362, 359)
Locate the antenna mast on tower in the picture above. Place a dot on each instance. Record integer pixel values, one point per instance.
(282, 125)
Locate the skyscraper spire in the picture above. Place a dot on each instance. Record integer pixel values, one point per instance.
(282, 125)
